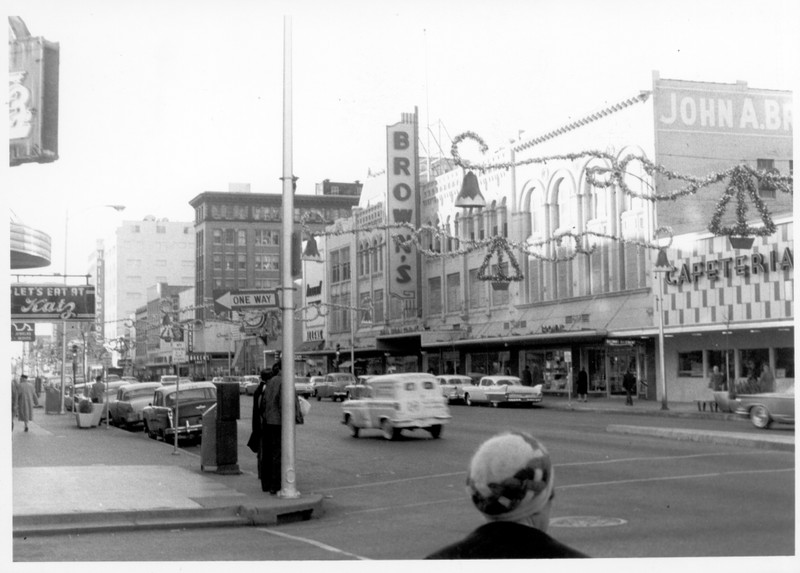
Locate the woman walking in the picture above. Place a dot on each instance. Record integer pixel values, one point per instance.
(26, 400)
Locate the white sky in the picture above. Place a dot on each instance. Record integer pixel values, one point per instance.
(161, 100)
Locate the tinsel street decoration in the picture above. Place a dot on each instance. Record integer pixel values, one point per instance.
(499, 279)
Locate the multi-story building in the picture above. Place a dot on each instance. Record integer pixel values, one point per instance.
(571, 310)
(238, 248)
(137, 256)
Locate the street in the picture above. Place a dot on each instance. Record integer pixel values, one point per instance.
(616, 495)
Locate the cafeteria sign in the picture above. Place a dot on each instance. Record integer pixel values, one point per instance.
(49, 303)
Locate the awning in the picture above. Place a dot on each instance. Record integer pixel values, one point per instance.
(310, 346)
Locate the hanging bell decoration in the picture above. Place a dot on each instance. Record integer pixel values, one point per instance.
(470, 195)
(311, 252)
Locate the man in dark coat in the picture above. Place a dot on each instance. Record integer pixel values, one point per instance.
(527, 377)
(511, 482)
(629, 383)
(265, 439)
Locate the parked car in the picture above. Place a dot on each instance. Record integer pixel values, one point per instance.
(302, 386)
(188, 404)
(333, 386)
(764, 409)
(395, 402)
(355, 391)
(126, 410)
(172, 379)
(130, 379)
(453, 386)
(496, 390)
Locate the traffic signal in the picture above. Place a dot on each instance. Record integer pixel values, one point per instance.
(74, 350)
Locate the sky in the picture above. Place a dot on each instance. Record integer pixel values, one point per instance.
(161, 100)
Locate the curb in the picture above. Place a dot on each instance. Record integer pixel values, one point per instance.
(232, 516)
(780, 443)
(727, 416)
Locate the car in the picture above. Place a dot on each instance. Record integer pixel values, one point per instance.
(353, 391)
(302, 386)
(453, 386)
(188, 404)
(130, 379)
(314, 381)
(126, 410)
(333, 386)
(392, 403)
(172, 379)
(250, 389)
(766, 408)
(246, 381)
(496, 390)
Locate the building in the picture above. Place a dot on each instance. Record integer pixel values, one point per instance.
(584, 248)
(238, 237)
(138, 255)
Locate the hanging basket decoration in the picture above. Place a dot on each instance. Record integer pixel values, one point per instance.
(499, 279)
(742, 182)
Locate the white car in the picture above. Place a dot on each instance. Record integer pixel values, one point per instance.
(496, 390)
(395, 402)
(453, 386)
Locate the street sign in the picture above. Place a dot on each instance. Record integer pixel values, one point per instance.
(238, 299)
(179, 355)
(23, 331)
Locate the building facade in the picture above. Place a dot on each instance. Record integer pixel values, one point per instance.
(571, 310)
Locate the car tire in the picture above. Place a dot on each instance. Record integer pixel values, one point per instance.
(151, 435)
(759, 415)
(389, 432)
(353, 428)
(319, 398)
(467, 400)
(436, 431)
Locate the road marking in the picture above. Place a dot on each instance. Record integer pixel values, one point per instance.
(314, 543)
(568, 464)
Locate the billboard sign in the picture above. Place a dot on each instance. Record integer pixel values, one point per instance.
(51, 303)
(33, 100)
(23, 331)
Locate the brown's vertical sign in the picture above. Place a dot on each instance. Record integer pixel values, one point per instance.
(402, 204)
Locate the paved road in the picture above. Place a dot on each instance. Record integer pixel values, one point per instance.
(618, 495)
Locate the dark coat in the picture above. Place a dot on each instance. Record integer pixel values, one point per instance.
(629, 381)
(506, 540)
(583, 382)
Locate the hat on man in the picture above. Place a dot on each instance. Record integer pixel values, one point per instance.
(510, 477)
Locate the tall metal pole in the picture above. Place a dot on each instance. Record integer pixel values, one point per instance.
(64, 327)
(661, 365)
(288, 481)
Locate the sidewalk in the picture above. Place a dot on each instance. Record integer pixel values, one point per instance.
(67, 480)
(63, 475)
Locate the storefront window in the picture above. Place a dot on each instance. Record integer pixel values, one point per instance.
(752, 361)
(690, 364)
(489, 363)
(784, 362)
(717, 358)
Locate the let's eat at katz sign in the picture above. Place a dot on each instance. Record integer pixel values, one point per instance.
(51, 303)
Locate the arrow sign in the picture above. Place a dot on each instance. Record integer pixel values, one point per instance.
(238, 299)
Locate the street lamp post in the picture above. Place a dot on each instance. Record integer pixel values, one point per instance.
(662, 266)
(117, 208)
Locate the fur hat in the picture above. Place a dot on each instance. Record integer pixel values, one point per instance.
(510, 477)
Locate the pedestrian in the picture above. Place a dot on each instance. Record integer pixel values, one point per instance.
(766, 381)
(265, 439)
(511, 482)
(583, 384)
(629, 383)
(716, 381)
(14, 400)
(98, 389)
(26, 400)
(527, 377)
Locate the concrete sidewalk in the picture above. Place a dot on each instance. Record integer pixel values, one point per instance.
(69, 480)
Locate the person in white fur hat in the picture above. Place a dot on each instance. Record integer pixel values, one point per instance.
(511, 483)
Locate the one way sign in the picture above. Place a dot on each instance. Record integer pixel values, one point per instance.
(238, 299)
